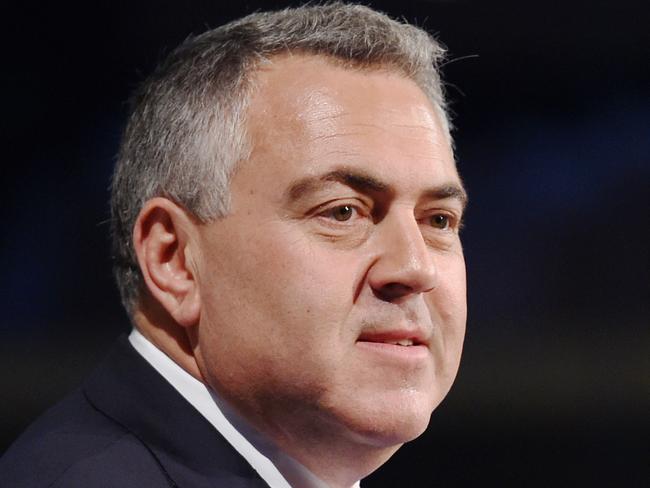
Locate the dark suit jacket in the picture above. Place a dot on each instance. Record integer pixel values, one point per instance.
(125, 427)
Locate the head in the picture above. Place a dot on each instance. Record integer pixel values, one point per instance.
(286, 209)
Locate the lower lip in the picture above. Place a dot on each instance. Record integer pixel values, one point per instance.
(396, 352)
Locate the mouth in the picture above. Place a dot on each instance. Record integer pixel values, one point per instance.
(394, 345)
(393, 338)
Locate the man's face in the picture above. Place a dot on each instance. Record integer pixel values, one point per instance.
(333, 296)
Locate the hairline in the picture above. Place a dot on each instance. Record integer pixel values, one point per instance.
(251, 78)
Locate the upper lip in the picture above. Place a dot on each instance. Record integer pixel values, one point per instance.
(416, 336)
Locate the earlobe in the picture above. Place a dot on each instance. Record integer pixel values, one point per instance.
(162, 242)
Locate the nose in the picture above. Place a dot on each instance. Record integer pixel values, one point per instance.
(405, 265)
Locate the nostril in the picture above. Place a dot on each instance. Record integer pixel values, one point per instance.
(392, 291)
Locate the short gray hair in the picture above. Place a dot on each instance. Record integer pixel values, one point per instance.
(186, 129)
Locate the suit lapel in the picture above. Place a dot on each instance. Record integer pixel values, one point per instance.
(189, 449)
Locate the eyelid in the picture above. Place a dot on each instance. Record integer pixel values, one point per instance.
(359, 205)
(455, 219)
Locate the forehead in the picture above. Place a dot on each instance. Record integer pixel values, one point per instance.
(306, 112)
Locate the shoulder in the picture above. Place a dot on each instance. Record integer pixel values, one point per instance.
(72, 445)
(121, 464)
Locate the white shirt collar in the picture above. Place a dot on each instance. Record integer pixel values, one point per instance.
(275, 467)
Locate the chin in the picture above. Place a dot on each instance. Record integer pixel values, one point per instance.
(392, 421)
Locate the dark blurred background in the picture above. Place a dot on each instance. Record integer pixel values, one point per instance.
(552, 105)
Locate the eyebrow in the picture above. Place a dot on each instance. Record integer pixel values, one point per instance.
(366, 183)
(451, 191)
(357, 180)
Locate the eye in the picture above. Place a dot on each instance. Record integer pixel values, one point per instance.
(341, 213)
(440, 221)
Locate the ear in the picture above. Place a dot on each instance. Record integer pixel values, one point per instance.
(162, 238)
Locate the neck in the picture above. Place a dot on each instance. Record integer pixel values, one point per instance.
(334, 454)
(163, 332)
(341, 466)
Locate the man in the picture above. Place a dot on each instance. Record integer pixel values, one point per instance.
(286, 211)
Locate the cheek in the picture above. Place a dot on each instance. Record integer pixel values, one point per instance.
(308, 268)
(287, 290)
(454, 281)
(451, 292)
(448, 308)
